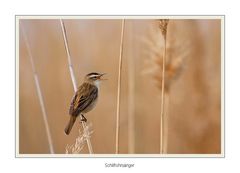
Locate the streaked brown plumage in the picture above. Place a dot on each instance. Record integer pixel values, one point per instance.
(84, 99)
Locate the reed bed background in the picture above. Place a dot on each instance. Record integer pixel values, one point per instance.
(193, 74)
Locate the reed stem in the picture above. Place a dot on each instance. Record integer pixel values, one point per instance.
(162, 94)
(119, 88)
(74, 81)
(131, 91)
(165, 123)
(39, 93)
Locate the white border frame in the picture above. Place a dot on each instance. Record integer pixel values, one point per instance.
(221, 17)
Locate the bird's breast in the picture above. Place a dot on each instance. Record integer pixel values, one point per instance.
(91, 106)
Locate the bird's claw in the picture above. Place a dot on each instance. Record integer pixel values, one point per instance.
(83, 119)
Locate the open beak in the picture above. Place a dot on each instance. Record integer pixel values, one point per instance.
(102, 76)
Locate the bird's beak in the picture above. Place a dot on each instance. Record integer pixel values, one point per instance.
(102, 76)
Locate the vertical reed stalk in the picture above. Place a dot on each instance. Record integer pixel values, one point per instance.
(131, 95)
(165, 124)
(166, 66)
(163, 27)
(119, 88)
(162, 97)
(39, 93)
(74, 81)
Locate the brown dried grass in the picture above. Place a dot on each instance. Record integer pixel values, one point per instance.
(167, 55)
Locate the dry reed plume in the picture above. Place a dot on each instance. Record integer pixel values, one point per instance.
(77, 147)
(166, 64)
(176, 55)
(163, 25)
(86, 132)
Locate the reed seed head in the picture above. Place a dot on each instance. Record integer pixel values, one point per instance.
(177, 50)
(163, 24)
(80, 141)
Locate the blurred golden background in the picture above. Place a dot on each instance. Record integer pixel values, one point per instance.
(194, 109)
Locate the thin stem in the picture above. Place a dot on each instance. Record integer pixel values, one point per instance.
(162, 95)
(131, 95)
(39, 93)
(165, 123)
(68, 55)
(74, 80)
(119, 88)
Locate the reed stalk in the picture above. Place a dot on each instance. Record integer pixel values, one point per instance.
(165, 123)
(163, 26)
(166, 60)
(119, 89)
(39, 93)
(131, 93)
(162, 99)
(86, 131)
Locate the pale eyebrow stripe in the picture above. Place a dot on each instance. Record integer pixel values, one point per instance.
(94, 75)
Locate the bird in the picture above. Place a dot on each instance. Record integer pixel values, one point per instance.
(84, 99)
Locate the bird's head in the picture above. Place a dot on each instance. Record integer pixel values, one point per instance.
(94, 77)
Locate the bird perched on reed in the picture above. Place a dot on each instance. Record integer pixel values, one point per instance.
(85, 99)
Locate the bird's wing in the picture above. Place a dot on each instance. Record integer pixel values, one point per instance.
(82, 100)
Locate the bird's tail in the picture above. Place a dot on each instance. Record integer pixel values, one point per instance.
(70, 125)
